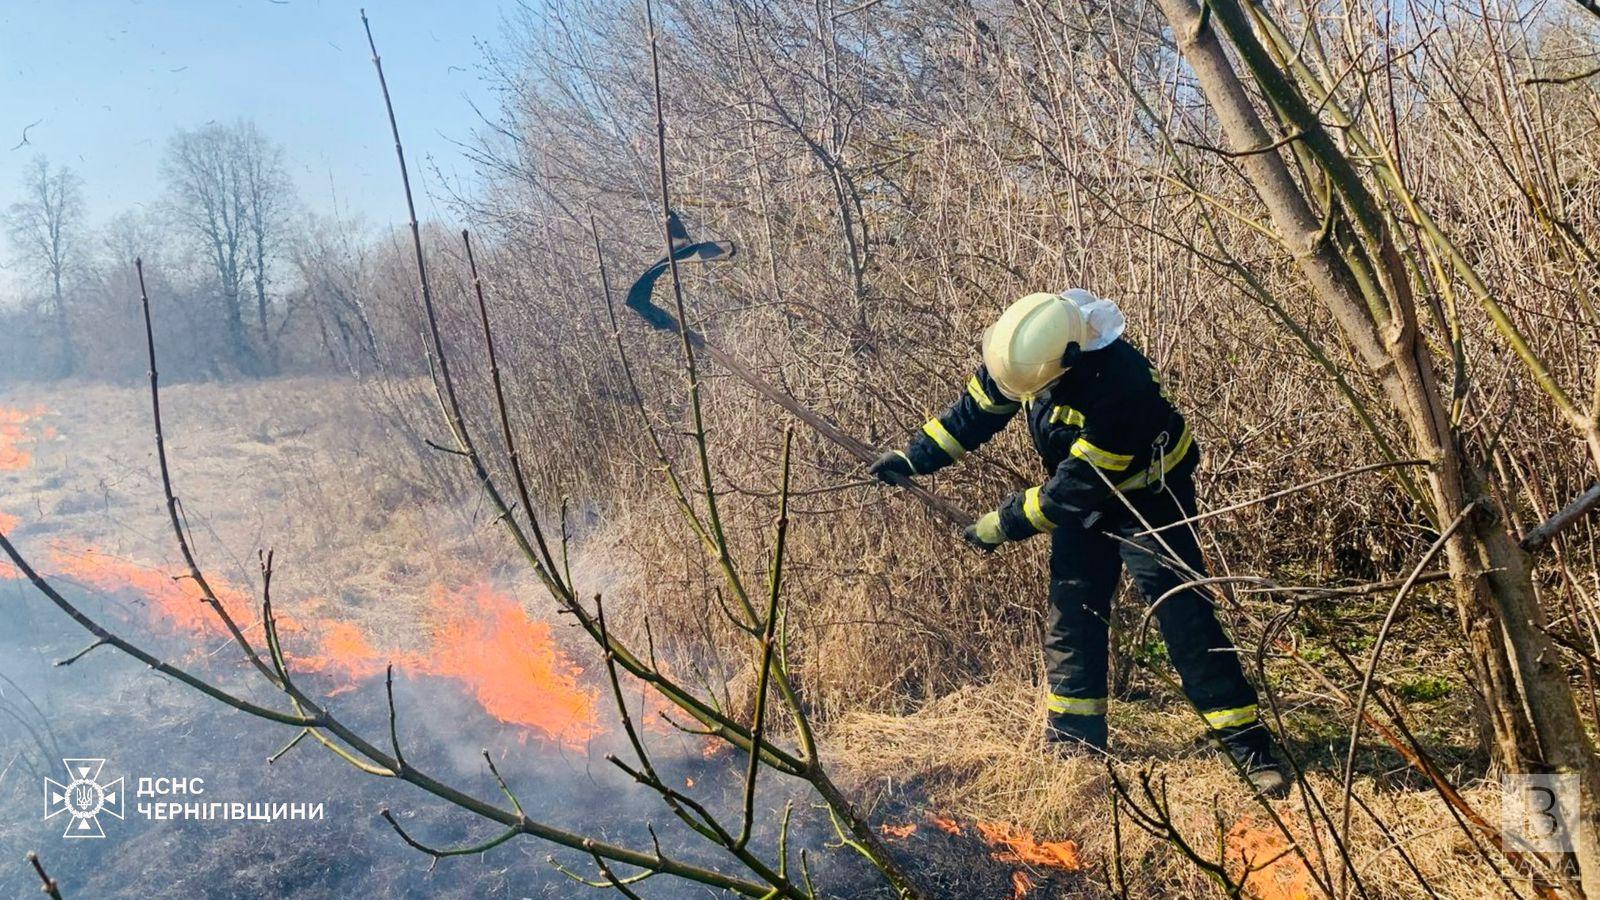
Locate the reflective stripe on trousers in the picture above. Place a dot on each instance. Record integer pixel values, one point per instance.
(1075, 706)
(1085, 566)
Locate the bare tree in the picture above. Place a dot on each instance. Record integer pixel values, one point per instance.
(1363, 278)
(335, 276)
(46, 228)
(268, 197)
(229, 191)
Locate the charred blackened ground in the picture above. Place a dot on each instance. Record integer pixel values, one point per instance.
(146, 726)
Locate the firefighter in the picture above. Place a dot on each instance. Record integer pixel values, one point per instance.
(1120, 464)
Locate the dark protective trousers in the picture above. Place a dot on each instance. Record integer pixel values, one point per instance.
(1085, 565)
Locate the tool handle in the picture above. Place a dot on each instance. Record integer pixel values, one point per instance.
(945, 509)
(640, 299)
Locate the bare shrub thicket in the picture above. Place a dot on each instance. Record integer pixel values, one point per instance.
(895, 178)
(894, 173)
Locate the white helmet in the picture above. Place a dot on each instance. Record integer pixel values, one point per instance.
(1023, 348)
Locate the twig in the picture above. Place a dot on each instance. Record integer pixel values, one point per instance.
(1287, 139)
(620, 885)
(298, 737)
(770, 627)
(1286, 492)
(1545, 531)
(46, 883)
(394, 735)
(437, 854)
(500, 780)
(1377, 649)
(1562, 79)
(506, 433)
(199, 578)
(99, 642)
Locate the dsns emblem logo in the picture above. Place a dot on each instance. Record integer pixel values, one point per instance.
(83, 798)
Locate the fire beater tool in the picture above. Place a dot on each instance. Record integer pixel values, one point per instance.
(640, 300)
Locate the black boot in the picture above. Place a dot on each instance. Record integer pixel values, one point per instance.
(1251, 747)
(1069, 733)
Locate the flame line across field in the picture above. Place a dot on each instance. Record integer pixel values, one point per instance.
(1008, 844)
(14, 439)
(479, 637)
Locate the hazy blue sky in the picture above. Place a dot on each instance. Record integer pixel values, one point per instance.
(109, 80)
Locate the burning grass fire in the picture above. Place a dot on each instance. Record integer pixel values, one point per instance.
(1271, 870)
(511, 661)
(1008, 844)
(15, 440)
(479, 637)
(1013, 844)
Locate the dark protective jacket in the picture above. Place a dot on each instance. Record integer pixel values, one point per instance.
(1106, 423)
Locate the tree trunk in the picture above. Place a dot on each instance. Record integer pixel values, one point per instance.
(1534, 720)
(268, 346)
(244, 357)
(68, 361)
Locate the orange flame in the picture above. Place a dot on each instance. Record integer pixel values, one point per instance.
(1016, 845)
(482, 638)
(511, 662)
(1021, 885)
(948, 826)
(176, 603)
(898, 832)
(343, 651)
(1264, 859)
(8, 524)
(13, 436)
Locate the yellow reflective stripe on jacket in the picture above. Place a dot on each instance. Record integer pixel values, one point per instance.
(1102, 459)
(909, 464)
(1076, 706)
(1034, 512)
(985, 402)
(1155, 472)
(1231, 718)
(1066, 415)
(947, 442)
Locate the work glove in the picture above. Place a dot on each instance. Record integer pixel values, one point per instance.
(985, 534)
(895, 462)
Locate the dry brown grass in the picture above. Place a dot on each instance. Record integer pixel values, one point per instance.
(975, 754)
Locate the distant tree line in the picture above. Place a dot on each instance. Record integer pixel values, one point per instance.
(262, 284)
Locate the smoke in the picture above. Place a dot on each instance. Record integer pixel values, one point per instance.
(481, 664)
(492, 678)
